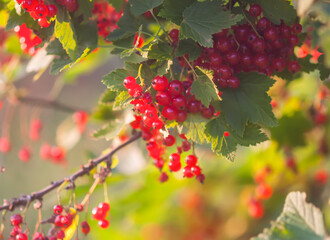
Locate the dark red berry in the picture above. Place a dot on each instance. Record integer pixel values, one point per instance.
(293, 67)
(163, 177)
(179, 102)
(186, 146)
(263, 23)
(182, 116)
(174, 35)
(194, 106)
(163, 98)
(175, 87)
(52, 10)
(170, 112)
(233, 82)
(85, 228)
(60, 234)
(200, 178)
(223, 71)
(255, 10)
(296, 28)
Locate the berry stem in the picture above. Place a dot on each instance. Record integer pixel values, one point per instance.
(91, 190)
(250, 23)
(85, 170)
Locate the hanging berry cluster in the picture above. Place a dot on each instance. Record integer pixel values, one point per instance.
(106, 18)
(27, 40)
(100, 213)
(40, 11)
(257, 46)
(172, 102)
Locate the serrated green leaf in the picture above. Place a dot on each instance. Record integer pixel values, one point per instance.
(173, 9)
(55, 48)
(17, 20)
(161, 67)
(114, 80)
(160, 51)
(59, 64)
(104, 112)
(204, 89)
(84, 10)
(141, 6)
(189, 47)
(65, 34)
(87, 35)
(122, 101)
(110, 130)
(299, 220)
(249, 103)
(195, 128)
(128, 25)
(202, 19)
(133, 58)
(291, 130)
(108, 97)
(277, 10)
(215, 129)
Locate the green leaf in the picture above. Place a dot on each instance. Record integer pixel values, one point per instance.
(108, 97)
(59, 64)
(122, 101)
(55, 48)
(141, 6)
(133, 58)
(128, 25)
(298, 220)
(160, 51)
(215, 129)
(189, 47)
(204, 89)
(17, 20)
(276, 10)
(117, 4)
(87, 35)
(84, 10)
(110, 130)
(161, 67)
(114, 80)
(104, 112)
(291, 130)
(195, 128)
(249, 103)
(65, 34)
(173, 9)
(202, 19)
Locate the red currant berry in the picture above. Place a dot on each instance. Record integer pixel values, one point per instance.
(200, 178)
(5, 145)
(194, 106)
(187, 172)
(182, 116)
(223, 45)
(169, 140)
(16, 219)
(258, 45)
(263, 23)
(191, 160)
(174, 157)
(58, 209)
(186, 146)
(296, 28)
(163, 177)
(175, 87)
(255, 10)
(215, 59)
(207, 112)
(264, 191)
(174, 166)
(58, 221)
(278, 65)
(293, 67)
(21, 236)
(103, 223)
(255, 208)
(71, 5)
(38, 236)
(232, 57)
(261, 61)
(158, 124)
(294, 40)
(24, 154)
(174, 35)
(179, 102)
(233, 82)
(85, 228)
(246, 60)
(196, 170)
(226, 134)
(66, 221)
(29, 5)
(79, 207)
(223, 71)
(52, 10)
(98, 213)
(60, 234)
(104, 206)
(41, 10)
(129, 82)
(160, 83)
(170, 112)
(163, 98)
(271, 34)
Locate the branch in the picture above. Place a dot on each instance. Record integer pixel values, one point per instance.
(44, 103)
(85, 170)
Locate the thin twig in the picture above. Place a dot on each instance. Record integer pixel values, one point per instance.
(85, 170)
(44, 103)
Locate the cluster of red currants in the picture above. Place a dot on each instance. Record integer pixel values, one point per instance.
(17, 233)
(263, 191)
(150, 118)
(100, 213)
(39, 10)
(27, 40)
(81, 119)
(71, 5)
(258, 46)
(56, 154)
(106, 18)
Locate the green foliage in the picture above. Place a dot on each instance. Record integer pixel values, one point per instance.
(291, 129)
(110, 130)
(64, 32)
(226, 145)
(114, 80)
(299, 220)
(204, 89)
(173, 10)
(189, 47)
(141, 6)
(201, 20)
(194, 128)
(249, 103)
(160, 51)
